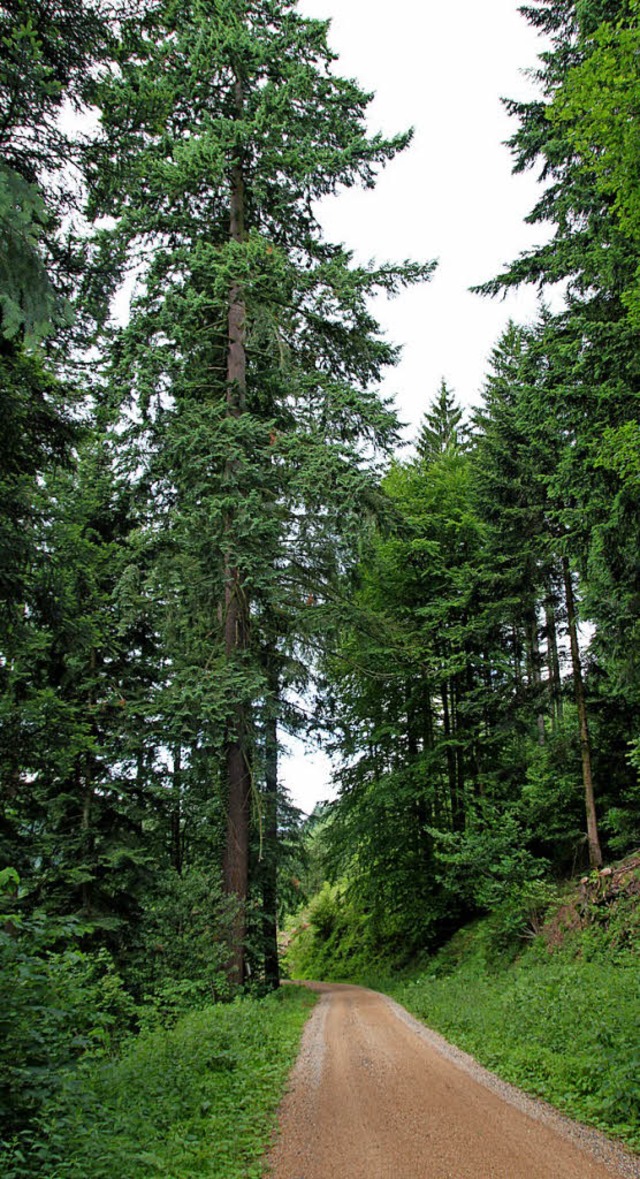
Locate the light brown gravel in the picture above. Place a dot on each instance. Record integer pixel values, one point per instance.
(375, 1095)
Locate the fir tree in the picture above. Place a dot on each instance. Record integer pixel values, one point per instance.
(252, 348)
(441, 431)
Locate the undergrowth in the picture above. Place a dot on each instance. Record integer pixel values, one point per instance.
(556, 1025)
(198, 1099)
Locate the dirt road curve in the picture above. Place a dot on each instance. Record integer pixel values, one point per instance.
(376, 1096)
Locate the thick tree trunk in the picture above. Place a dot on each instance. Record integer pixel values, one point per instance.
(595, 854)
(176, 812)
(270, 877)
(451, 759)
(236, 617)
(553, 661)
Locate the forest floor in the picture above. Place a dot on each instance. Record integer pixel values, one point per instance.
(376, 1095)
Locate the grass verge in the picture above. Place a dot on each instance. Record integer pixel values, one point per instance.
(556, 1025)
(198, 1100)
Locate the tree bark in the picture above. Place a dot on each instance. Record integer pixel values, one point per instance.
(459, 819)
(270, 877)
(595, 853)
(534, 671)
(236, 612)
(85, 785)
(176, 812)
(553, 662)
(537, 673)
(427, 717)
(517, 667)
(451, 760)
(84, 781)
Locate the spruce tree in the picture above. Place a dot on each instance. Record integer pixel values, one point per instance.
(50, 54)
(441, 430)
(252, 355)
(586, 390)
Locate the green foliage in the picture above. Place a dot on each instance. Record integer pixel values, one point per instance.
(57, 1004)
(50, 54)
(332, 939)
(180, 951)
(197, 1100)
(442, 431)
(597, 110)
(251, 453)
(27, 299)
(439, 596)
(37, 435)
(490, 860)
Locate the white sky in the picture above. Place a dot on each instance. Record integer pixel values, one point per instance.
(441, 68)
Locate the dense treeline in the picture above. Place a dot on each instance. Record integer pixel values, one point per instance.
(485, 694)
(180, 492)
(200, 526)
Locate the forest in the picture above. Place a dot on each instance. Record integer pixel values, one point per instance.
(210, 539)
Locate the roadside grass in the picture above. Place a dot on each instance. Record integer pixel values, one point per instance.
(550, 1003)
(197, 1100)
(562, 1029)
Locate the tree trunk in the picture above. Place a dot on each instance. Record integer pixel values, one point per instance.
(534, 672)
(595, 854)
(270, 877)
(517, 664)
(412, 724)
(459, 818)
(176, 812)
(85, 785)
(236, 615)
(553, 661)
(537, 673)
(451, 760)
(427, 717)
(84, 782)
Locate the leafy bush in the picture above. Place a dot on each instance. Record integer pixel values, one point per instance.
(180, 957)
(332, 939)
(55, 1006)
(484, 864)
(198, 1100)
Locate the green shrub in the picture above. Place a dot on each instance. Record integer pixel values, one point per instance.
(179, 960)
(333, 939)
(198, 1100)
(55, 1006)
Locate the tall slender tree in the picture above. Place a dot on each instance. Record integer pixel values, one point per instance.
(252, 351)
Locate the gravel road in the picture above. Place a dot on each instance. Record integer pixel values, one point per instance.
(375, 1095)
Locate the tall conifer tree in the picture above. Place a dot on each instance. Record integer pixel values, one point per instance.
(441, 429)
(252, 353)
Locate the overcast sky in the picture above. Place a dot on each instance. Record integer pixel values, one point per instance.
(441, 68)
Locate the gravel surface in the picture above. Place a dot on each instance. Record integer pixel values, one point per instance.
(376, 1095)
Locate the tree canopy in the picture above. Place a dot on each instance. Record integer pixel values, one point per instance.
(210, 539)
